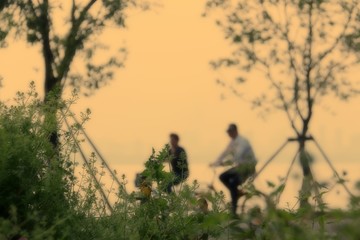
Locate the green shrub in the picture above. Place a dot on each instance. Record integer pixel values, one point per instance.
(35, 178)
(41, 198)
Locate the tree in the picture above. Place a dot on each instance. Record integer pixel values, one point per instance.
(301, 50)
(86, 20)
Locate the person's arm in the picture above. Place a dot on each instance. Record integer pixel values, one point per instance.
(169, 157)
(222, 156)
(183, 161)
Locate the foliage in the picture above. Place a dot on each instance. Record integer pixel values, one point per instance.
(290, 54)
(295, 53)
(73, 37)
(34, 180)
(63, 42)
(43, 198)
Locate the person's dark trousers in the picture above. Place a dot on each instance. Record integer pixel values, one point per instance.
(234, 177)
(231, 180)
(177, 180)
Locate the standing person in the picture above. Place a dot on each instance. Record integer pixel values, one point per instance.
(178, 162)
(240, 153)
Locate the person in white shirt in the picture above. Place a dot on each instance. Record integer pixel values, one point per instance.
(240, 155)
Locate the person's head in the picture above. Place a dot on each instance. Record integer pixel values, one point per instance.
(232, 130)
(174, 139)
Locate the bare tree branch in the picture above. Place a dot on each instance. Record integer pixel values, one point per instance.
(308, 64)
(329, 74)
(283, 100)
(340, 37)
(73, 9)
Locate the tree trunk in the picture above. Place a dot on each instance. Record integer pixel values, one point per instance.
(52, 89)
(52, 98)
(307, 174)
(52, 82)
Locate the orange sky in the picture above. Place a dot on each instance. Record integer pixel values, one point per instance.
(168, 86)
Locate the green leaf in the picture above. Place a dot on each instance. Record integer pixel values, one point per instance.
(270, 184)
(237, 39)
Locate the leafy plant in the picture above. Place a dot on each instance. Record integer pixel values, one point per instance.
(43, 198)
